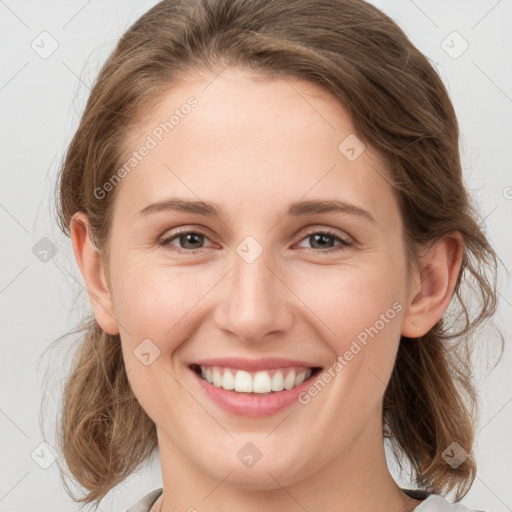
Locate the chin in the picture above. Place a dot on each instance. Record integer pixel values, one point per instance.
(266, 474)
(260, 480)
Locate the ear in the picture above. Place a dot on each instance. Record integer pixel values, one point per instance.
(432, 289)
(91, 267)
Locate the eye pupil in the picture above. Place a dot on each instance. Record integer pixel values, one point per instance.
(319, 236)
(186, 238)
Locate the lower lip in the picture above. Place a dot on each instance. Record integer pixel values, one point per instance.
(252, 405)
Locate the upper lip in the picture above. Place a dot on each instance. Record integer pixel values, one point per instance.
(265, 363)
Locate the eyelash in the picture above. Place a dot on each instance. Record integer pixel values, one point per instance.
(166, 242)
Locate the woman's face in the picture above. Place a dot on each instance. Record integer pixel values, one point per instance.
(259, 285)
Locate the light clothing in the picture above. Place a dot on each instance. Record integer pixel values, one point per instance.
(436, 503)
(431, 503)
(146, 502)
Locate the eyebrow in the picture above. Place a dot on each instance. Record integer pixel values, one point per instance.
(296, 209)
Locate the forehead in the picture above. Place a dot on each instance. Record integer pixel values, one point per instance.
(245, 141)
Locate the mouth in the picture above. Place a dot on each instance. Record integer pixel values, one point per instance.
(255, 383)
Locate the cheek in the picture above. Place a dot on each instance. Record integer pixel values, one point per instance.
(159, 301)
(159, 308)
(349, 299)
(152, 300)
(359, 310)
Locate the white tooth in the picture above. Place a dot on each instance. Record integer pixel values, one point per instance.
(289, 380)
(243, 382)
(302, 376)
(277, 381)
(261, 383)
(299, 379)
(228, 381)
(217, 378)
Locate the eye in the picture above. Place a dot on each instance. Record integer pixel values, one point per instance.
(321, 240)
(190, 242)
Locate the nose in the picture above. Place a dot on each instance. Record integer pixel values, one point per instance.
(256, 300)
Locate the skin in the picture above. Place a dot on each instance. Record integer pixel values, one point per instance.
(253, 145)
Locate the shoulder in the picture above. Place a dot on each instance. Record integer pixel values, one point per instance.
(146, 502)
(436, 503)
(431, 503)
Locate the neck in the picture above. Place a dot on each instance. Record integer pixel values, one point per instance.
(358, 478)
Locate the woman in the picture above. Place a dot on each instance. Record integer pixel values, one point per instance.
(265, 200)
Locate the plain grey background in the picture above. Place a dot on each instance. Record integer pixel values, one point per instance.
(51, 52)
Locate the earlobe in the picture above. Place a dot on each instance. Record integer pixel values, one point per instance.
(433, 290)
(89, 261)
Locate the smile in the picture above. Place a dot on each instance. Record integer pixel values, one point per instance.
(253, 388)
(260, 382)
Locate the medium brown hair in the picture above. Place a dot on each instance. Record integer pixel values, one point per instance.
(398, 105)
